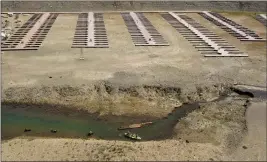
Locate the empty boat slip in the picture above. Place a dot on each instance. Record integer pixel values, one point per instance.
(143, 33)
(31, 34)
(262, 18)
(205, 41)
(238, 31)
(90, 31)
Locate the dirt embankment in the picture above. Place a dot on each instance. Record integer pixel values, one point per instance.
(85, 6)
(210, 133)
(107, 99)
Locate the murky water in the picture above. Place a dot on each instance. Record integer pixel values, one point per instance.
(73, 123)
(77, 124)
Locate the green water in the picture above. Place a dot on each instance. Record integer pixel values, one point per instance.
(15, 120)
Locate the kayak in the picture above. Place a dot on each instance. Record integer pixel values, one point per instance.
(132, 136)
(134, 126)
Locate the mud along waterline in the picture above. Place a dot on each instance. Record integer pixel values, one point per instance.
(101, 108)
(77, 123)
(31, 112)
(73, 112)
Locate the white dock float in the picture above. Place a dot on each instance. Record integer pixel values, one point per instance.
(90, 31)
(143, 33)
(240, 32)
(204, 40)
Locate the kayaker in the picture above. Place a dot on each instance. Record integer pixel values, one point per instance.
(53, 131)
(90, 133)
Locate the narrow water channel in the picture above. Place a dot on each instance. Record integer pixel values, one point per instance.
(73, 123)
(15, 118)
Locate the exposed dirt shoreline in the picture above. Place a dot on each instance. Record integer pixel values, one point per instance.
(108, 99)
(219, 126)
(211, 132)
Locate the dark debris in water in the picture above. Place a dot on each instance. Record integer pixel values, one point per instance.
(27, 130)
(159, 130)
